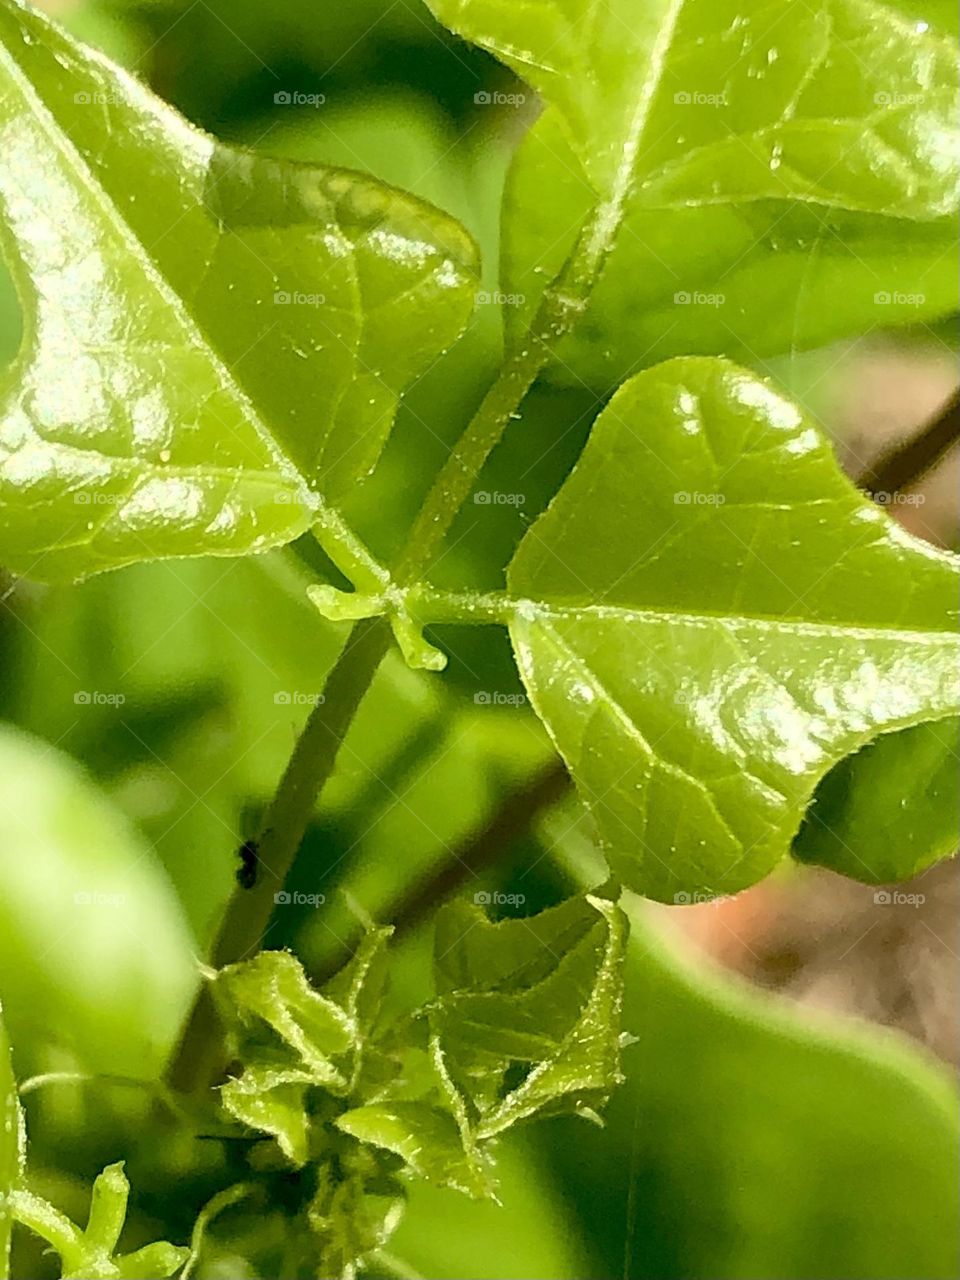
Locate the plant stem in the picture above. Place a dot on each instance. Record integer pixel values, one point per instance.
(47, 1222)
(562, 303)
(911, 459)
(479, 850)
(247, 917)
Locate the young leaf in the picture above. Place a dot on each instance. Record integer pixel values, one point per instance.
(778, 178)
(215, 341)
(12, 1147)
(272, 989)
(348, 1220)
(558, 1020)
(427, 1138)
(293, 1037)
(273, 1100)
(702, 656)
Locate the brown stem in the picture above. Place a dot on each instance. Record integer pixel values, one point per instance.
(911, 459)
(481, 849)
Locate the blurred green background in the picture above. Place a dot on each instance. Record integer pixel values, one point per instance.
(147, 716)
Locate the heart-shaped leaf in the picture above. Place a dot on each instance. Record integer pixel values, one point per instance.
(711, 617)
(777, 177)
(215, 341)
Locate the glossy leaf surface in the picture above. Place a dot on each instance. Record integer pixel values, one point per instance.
(788, 176)
(213, 338)
(712, 617)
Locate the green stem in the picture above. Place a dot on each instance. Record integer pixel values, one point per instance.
(222, 1201)
(314, 757)
(199, 1055)
(472, 608)
(395, 1266)
(348, 552)
(556, 315)
(48, 1223)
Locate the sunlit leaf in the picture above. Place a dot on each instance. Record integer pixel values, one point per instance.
(711, 617)
(81, 894)
(214, 341)
(273, 1100)
(272, 989)
(786, 176)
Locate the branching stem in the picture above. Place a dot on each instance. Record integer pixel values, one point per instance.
(199, 1054)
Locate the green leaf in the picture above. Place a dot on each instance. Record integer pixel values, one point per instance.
(541, 994)
(272, 989)
(711, 617)
(13, 1146)
(782, 177)
(835, 1141)
(80, 887)
(358, 987)
(273, 1100)
(215, 341)
(475, 954)
(348, 1220)
(889, 811)
(427, 1138)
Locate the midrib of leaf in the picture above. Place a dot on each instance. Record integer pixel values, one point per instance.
(535, 610)
(627, 176)
(62, 145)
(609, 216)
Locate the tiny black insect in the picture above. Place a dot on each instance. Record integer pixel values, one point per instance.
(247, 871)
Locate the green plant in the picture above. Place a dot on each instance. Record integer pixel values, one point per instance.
(732, 649)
